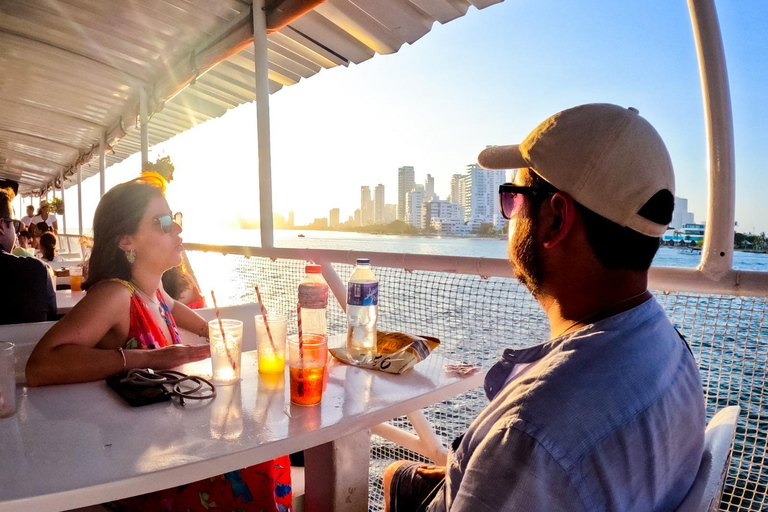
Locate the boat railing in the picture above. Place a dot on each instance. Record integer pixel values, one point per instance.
(476, 308)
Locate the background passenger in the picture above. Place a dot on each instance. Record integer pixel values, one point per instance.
(48, 249)
(27, 293)
(43, 215)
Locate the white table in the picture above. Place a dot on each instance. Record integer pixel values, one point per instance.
(66, 300)
(76, 445)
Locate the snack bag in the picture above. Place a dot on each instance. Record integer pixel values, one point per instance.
(397, 352)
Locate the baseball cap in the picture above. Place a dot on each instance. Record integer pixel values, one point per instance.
(608, 158)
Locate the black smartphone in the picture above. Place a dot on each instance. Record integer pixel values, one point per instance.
(135, 395)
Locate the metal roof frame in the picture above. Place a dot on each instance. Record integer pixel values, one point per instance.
(74, 70)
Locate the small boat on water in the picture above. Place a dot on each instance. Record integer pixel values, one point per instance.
(301, 235)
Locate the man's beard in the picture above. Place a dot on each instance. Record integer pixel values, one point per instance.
(524, 255)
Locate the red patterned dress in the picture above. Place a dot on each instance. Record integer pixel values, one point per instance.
(263, 487)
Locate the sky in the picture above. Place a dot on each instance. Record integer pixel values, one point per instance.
(487, 78)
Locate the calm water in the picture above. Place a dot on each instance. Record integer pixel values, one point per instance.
(472, 247)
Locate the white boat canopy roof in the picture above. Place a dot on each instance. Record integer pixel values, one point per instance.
(72, 71)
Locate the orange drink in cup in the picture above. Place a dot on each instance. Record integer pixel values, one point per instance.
(270, 343)
(76, 278)
(307, 368)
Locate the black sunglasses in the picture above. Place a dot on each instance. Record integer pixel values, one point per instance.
(16, 224)
(166, 222)
(510, 197)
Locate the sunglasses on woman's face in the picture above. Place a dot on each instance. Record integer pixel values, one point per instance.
(511, 198)
(166, 222)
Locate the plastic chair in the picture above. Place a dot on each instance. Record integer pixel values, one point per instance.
(705, 494)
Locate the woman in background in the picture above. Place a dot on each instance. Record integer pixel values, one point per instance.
(48, 251)
(125, 312)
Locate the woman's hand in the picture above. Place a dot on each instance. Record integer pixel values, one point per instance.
(167, 357)
(431, 472)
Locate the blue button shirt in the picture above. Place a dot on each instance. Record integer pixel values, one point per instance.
(608, 418)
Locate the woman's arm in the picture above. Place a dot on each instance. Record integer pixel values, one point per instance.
(188, 319)
(68, 352)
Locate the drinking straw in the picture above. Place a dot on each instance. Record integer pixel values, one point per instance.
(221, 328)
(264, 316)
(301, 337)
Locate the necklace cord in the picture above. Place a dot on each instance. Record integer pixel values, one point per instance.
(599, 311)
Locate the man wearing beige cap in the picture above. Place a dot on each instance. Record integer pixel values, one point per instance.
(608, 415)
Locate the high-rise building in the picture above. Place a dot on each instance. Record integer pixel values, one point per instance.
(378, 204)
(390, 213)
(290, 220)
(358, 217)
(334, 216)
(681, 216)
(455, 196)
(414, 200)
(366, 206)
(480, 190)
(429, 188)
(445, 217)
(406, 180)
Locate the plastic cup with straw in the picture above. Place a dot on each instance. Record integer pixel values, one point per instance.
(223, 336)
(264, 315)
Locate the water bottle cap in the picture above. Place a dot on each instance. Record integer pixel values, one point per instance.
(363, 261)
(313, 269)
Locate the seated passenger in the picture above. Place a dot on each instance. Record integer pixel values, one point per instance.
(48, 250)
(608, 415)
(127, 320)
(23, 247)
(27, 293)
(179, 285)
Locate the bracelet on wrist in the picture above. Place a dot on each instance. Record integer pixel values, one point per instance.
(122, 354)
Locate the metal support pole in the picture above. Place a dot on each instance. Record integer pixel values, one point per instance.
(102, 163)
(262, 122)
(80, 200)
(143, 124)
(63, 215)
(717, 253)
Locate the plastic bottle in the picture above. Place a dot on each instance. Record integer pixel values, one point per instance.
(313, 297)
(362, 312)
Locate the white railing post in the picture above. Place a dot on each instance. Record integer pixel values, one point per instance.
(63, 215)
(261, 66)
(143, 124)
(102, 163)
(80, 200)
(717, 253)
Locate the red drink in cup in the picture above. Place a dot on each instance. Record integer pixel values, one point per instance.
(307, 368)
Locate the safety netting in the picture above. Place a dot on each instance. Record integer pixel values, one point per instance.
(476, 318)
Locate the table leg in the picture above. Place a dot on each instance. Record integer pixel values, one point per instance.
(336, 474)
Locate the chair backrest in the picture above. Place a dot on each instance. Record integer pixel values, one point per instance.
(243, 312)
(705, 494)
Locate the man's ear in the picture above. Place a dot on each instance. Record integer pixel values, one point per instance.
(125, 242)
(563, 212)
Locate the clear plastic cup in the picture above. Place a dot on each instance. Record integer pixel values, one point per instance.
(76, 278)
(271, 352)
(225, 352)
(307, 368)
(7, 380)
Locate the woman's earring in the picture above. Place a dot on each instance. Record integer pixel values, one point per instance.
(130, 255)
